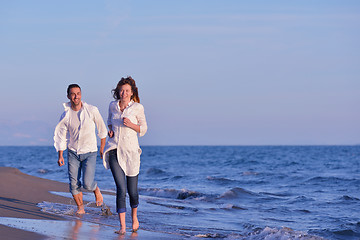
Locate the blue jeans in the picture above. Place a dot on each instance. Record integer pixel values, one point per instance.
(122, 182)
(85, 164)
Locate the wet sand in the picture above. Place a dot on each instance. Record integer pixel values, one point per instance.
(21, 218)
(19, 195)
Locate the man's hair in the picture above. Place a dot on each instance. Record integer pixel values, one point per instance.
(74, 85)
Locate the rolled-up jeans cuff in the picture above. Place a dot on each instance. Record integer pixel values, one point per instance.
(135, 206)
(121, 210)
(74, 191)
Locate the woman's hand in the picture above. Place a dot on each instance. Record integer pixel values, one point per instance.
(127, 122)
(131, 125)
(111, 133)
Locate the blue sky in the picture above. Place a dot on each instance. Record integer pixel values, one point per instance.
(209, 72)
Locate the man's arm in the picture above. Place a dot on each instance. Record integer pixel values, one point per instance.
(100, 125)
(60, 138)
(102, 146)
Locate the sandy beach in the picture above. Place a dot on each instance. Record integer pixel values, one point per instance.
(21, 218)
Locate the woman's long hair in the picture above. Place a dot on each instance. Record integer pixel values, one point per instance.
(128, 80)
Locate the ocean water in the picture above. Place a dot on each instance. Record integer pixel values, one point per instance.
(226, 192)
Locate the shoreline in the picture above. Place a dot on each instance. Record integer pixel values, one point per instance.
(20, 193)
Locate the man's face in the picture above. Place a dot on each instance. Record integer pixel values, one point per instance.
(75, 96)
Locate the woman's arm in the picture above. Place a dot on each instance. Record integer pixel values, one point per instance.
(142, 121)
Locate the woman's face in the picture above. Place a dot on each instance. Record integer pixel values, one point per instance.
(125, 92)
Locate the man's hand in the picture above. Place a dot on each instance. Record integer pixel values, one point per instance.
(61, 161)
(101, 153)
(102, 146)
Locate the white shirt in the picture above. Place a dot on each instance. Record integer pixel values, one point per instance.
(74, 127)
(125, 139)
(79, 138)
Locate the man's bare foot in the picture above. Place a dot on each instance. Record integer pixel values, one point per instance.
(98, 197)
(121, 231)
(79, 203)
(80, 210)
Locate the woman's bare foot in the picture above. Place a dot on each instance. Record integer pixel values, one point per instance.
(135, 226)
(122, 230)
(98, 197)
(135, 221)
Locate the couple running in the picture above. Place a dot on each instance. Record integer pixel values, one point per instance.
(121, 153)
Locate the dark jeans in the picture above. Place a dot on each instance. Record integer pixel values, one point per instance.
(122, 182)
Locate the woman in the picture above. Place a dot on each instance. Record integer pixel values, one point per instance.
(126, 119)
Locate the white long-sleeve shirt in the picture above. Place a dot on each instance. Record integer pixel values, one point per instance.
(125, 139)
(79, 134)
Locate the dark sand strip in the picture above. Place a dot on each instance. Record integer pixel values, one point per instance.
(19, 195)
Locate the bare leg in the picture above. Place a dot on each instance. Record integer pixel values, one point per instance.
(135, 221)
(122, 230)
(79, 202)
(98, 197)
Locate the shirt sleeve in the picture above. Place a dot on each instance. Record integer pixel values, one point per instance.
(60, 134)
(100, 125)
(142, 121)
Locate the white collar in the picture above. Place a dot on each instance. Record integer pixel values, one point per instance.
(129, 104)
(67, 105)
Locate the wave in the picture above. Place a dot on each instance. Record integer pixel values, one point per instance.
(155, 171)
(250, 173)
(231, 207)
(278, 195)
(183, 194)
(43, 171)
(348, 198)
(330, 179)
(283, 233)
(220, 180)
(227, 180)
(300, 199)
(171, 193)
(265, 233)
(236, 193)
(175, 206)
(347, 233)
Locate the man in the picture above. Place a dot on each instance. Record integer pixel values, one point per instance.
(76, 132)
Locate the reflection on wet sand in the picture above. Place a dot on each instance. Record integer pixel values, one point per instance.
(75, 230)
